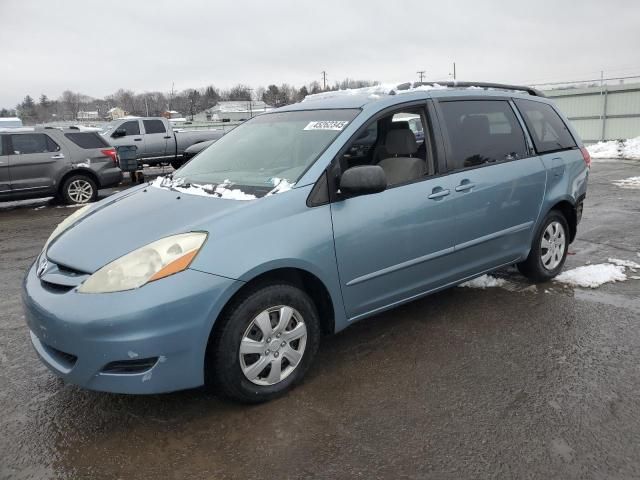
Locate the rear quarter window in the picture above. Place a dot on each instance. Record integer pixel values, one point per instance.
(548, 131)
(481, 132)
(153, 126)
(87, 140)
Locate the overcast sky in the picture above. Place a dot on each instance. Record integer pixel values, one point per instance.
(96, 47)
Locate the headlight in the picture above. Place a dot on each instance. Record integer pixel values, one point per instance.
(155, 261)
(66, 223)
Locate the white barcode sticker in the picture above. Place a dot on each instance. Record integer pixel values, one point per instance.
(327, 125)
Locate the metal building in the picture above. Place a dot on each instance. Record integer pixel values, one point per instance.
(610, 112)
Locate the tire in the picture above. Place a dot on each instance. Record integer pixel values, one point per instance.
(79, 189)
(225, 365)
(544, 263)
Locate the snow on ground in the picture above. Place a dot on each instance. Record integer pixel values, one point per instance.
(625, 149)
(625, 263)
(631, 182)
(484, 281)
(592, 276)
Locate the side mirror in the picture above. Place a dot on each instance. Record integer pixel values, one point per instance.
(119, 132)
(363, 180)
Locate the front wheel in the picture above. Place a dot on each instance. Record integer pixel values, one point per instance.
(264, 345)
(549, 249)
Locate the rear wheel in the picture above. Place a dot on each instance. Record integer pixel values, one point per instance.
(549, 249)
(264, 345)
(79, 189)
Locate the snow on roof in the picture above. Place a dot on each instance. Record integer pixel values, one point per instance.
(373, 93)
(10, 119)
(239, 106)
(15, 129)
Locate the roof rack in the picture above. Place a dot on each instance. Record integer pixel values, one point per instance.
(484, 85)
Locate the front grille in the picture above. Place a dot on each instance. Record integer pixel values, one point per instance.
(54, 287)
(58, 278)
(130, 367)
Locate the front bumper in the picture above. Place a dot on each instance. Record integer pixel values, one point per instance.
(168, 321)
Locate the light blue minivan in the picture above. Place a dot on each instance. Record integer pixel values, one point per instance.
(298, 223)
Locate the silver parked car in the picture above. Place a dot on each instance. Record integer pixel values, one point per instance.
(66, 163)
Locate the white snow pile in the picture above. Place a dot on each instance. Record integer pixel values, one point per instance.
(484, 281)
(221, 190)
(625, 263)
(280, 185)
(592, 276)
(373, 92)
(624, 149)
(631, 182)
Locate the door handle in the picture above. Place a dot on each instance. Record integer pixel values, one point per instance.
(167, 137)
(437, 193)
(463, 187)
(59, 156)
(137, 139)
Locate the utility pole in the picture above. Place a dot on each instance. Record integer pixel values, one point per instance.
(454, 70)
(250, 102)
(421, 74)
(324, 80)
(171, 95)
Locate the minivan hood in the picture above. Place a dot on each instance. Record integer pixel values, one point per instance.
(117, 226)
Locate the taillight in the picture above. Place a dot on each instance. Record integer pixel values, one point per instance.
(111, 152)
(586, 157)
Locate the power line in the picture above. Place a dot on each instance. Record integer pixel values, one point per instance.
(583, 81)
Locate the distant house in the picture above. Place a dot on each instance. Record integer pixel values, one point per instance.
(115, 113)
(84, 115)
(169, 114)
(232, 111)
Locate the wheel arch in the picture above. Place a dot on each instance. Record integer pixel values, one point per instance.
(301, 278)
(304, 279)
(78, 171)
(568, 209)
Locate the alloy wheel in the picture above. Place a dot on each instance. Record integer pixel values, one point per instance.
(80, 191)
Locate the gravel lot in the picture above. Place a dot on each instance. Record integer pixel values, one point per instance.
(518, 381)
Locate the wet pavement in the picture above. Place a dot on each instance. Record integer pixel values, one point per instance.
(515, 382)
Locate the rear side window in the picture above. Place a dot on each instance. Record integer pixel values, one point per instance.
(132, 128)
(87, 140)
(33, 143)
(3, 149)
(547, 129)
(154, 126)
(482, 132)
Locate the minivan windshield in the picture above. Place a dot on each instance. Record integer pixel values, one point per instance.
(267, 150)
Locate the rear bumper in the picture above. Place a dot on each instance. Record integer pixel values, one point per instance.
(110, 178)
(165, 322)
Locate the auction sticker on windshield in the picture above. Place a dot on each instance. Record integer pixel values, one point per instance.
(327, 125)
